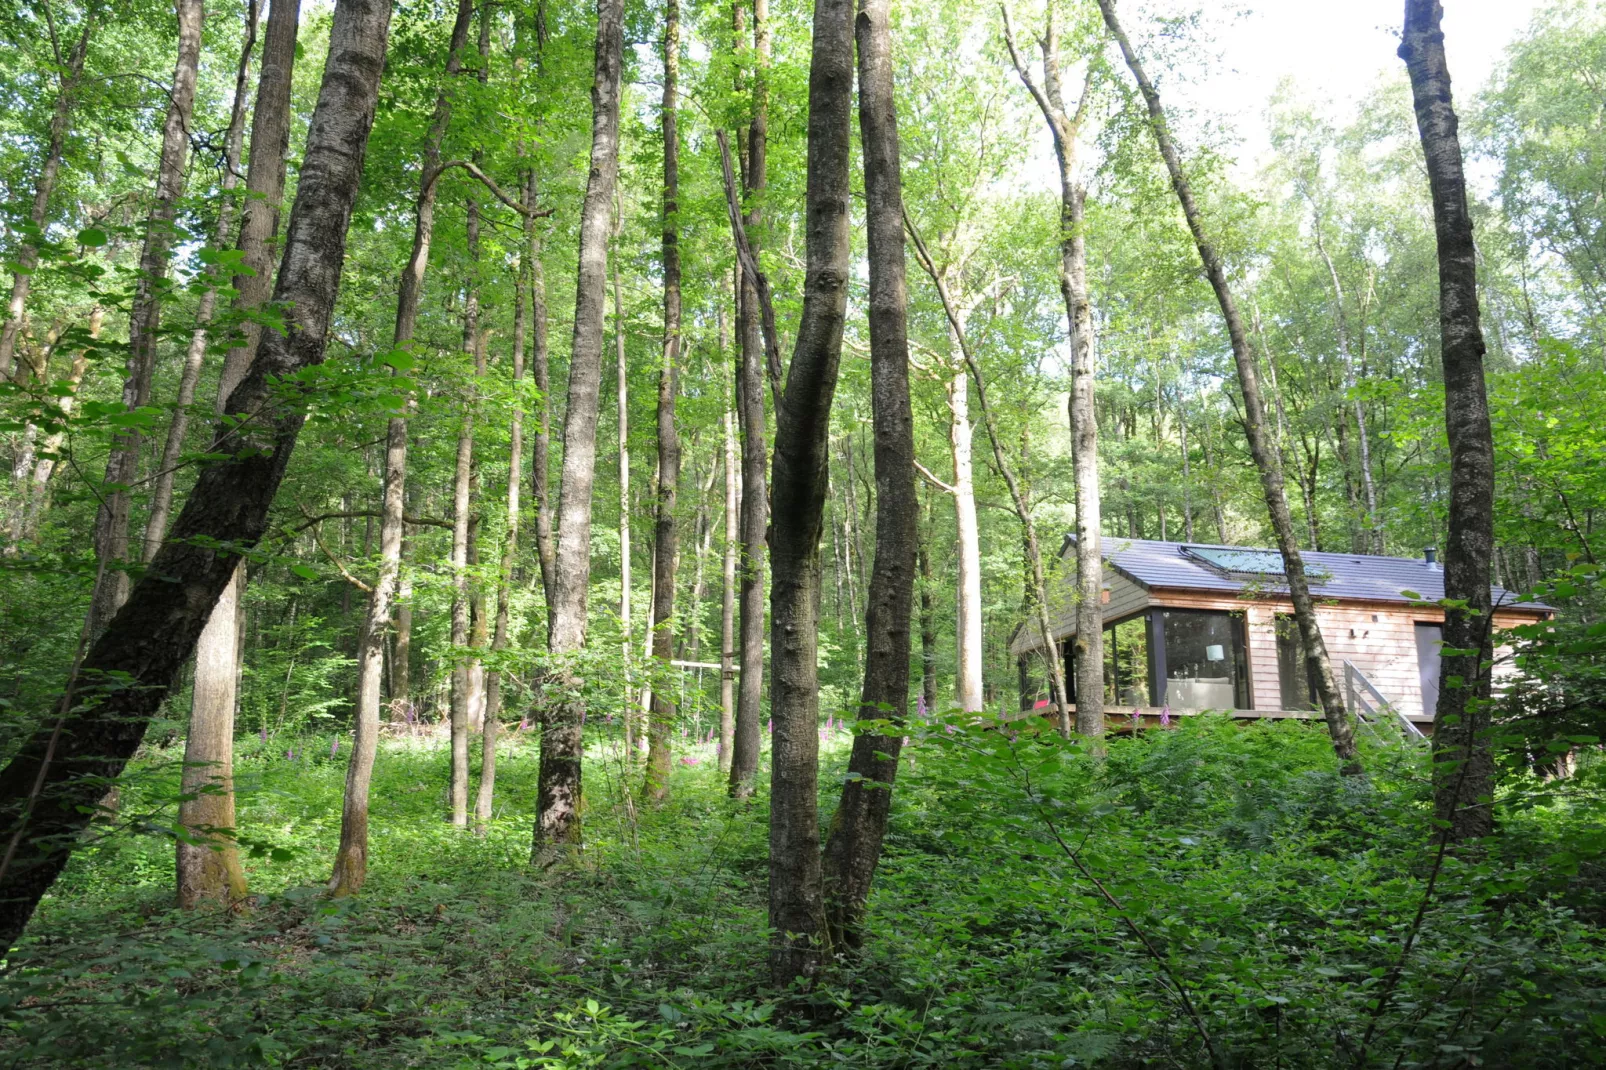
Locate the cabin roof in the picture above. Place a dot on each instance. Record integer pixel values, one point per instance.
(1155, 565)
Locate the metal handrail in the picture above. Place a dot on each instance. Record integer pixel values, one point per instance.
(1356, 696)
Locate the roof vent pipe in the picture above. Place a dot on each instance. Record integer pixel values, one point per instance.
(1430, 555)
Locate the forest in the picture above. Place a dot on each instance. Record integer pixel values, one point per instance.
(555, 534)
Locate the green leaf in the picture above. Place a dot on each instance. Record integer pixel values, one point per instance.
(92, 237)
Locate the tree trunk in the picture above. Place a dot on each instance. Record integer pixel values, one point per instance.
(853, 849)
(209, 868)
(558, 805)
(50, 451)
(1464, 771)
(755, 506)
(1266, 461)
(1037, 586)
(630, 712)
(351, 859)
(655, 788)
(540, 371)
(928, 633)
(727, 604)
(218, 649)
(173, 448)
(510, 542)
(112, 521)
(469, 633)
(1372, 530)
(801, 464)
(48, 791)
(1087, 646)
(967, 623)
(44, 188)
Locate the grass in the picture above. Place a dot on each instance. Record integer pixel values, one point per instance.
(1276, 890)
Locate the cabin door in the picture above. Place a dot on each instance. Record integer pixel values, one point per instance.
(1429, 638)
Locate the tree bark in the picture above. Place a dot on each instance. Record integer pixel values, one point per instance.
(167, 469)
(655, 787)
(112, 520)
(351, 859)
(49, 790)
(1087, 645)
(853, 848)
(44, 188)
(755, 506)
(801, 465)
(558, 803)
(1463, 767)
(208, 869)
(1266, 461)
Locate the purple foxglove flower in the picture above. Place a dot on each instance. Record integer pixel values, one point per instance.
(1165, 717)
(264, 733)
(334, 746)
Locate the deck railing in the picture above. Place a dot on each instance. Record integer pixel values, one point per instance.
(1369, 706)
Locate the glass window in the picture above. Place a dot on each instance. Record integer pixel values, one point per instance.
(1126, 663)
(1293, 675)
(1204, 660)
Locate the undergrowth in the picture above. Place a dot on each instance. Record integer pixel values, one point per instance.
(1274, 893)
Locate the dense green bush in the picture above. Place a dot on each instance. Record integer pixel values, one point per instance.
(1275, 893)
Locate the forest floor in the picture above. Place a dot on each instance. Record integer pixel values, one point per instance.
(1273, 892)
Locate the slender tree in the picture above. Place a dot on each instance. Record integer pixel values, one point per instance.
(558, 803)
(655, 788)
(1463, 761)
(49, 790)
(1088, 644)
(755, 504)
(208, 864)
(351, 859)
(69, 80)
(802, 432)
(190, 376)
(112, 521)
(1254, 414)
(853, 847)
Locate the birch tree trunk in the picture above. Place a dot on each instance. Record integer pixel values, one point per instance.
(1463, 761)
(558, 804)
(801, 465)
(1087, 645)
(48, 791)
(1266, 460)
(351, 859)
(49, 170)
(853, 848)
(655, 787)
(112, 520)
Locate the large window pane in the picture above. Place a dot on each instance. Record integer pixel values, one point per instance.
(1126, 663)
(1293, 675)
(1204, 660)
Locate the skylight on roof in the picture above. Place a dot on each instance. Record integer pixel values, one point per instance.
(1241, 562)
(1236, 563)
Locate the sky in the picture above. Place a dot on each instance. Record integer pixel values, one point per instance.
(1335, 50)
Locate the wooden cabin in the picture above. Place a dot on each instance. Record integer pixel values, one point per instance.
(1190, 627)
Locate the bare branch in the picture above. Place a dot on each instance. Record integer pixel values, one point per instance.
(744, 252)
